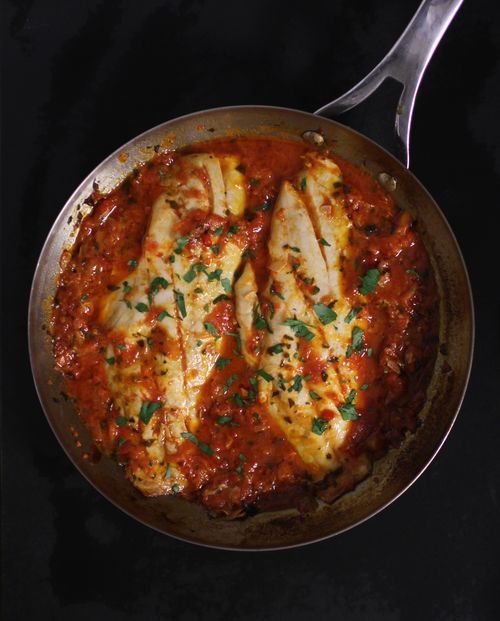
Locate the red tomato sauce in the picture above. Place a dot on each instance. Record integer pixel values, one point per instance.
(254, 465)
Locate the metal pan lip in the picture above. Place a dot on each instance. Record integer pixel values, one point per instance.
(32, 327)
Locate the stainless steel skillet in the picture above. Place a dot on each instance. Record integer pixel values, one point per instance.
(395, 472)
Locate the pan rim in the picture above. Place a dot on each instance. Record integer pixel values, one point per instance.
(32, 327)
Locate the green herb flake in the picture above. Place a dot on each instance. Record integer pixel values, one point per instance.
(274, 291)
(141, 307)
(127, 303)
(369, 281)
(352, 314)
(413, 272)
(121, 441)
(300, 328)
(323, 242)
(132, 264)
(148, 408)
(210, 328)
(233, 229)
(215, 275)
(190, 275)
(110, 360)
(238, 400)
(168, 471)
(348, 411)
(319, 426)
(265, 375)
(163, 314)
(175, 488)
(122, 347)
(275, 349)
(181, 244)
(296, 384)
(369, 352)
(294, 248)
(205, 448)
(121, 421)
(181, 304)
(325, 314)
(303, 183)
(220, 297)
(218, 231)
(224, 420)
(198, 290)
(215, 249)
(364, 387)
(226, 285)
(314, 395)
(222, 363)
(158, 282)
(126, 287)
(229, 382)
(254, 182)
(263, 207)
(84, 297)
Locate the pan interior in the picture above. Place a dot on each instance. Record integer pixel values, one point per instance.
(393, 473)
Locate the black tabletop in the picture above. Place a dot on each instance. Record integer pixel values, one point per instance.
(81, 78)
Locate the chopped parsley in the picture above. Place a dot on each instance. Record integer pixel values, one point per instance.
(168, 471)
(158, 282)
(84, 297)
(274, 291)
(295, 248)
(323, 242)
(233, 229)
(348, 411)
(238, 400)
(163, 314)
(141, 307)
(275, 349)
(190, 275)
(352, 314)
(356, 342)
(319, 426)
(121, 421)
(303, 183)
(218, 231)
(297, 384)
(412, 272)
(369, 281)
(314, 395)
(215, 249)
(224, 420)
(369, 352)
(126, 287)
(181, 244)
(110, 360)
(325, 314)
(300, 328)
(215, 275)
(226, 285)
(229, 382)
(259, 321)
(148, 408)
(222, 363)
(201, 445)
(220, 297)
(254, 182)
(364, 387)
(210, 328)
(265, 375)
(263, 207)
(132, 264)
(181, 304)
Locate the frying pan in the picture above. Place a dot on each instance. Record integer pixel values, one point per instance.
(395, 472)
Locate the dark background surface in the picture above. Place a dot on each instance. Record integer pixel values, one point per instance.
(81, 78)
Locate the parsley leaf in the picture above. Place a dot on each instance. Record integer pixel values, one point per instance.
(181, 304)
(110, 360)
(126, 287)
(314, 395)
(226, 285)
(210, 328)
(297, 384)
(352, 314)
(263, 207)
(215, 275)
(163, 314)
(303, 183)
(319, 426)
(348, 411)
(132, 264)
(190, 275)
(181, 244)
(233, 229)
(275, 349)
(156, 283)
(141, 307)
(201, 445)
(229, 382)
(148, 408)
(121, 421)
(265, 375)
(300, 328)
(223, 420)
(222, 363)
(218, 231)
(325, 314)
(323, 242)
(369, 281)
(215, 249)
(220, 297)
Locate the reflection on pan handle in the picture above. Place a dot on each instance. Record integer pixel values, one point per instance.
(406, 63)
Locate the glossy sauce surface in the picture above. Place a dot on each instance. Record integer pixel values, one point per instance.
(251, 463)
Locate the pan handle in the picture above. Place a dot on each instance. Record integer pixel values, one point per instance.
(406, 63)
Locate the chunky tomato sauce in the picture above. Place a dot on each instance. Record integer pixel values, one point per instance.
(251, 463)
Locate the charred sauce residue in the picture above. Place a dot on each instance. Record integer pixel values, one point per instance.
(252, 464)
